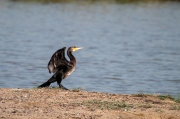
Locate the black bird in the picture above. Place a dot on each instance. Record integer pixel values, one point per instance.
(59, 65)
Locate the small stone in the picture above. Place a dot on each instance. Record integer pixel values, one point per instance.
(26, 95)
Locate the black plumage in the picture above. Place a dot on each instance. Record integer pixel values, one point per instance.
(59, 65)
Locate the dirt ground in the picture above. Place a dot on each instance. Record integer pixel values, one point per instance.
(54, 103)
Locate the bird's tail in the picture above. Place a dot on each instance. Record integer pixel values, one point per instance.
(47, 83)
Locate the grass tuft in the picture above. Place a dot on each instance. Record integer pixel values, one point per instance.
(163, 97)
(76, 89)
(177, 99)
(106, 104)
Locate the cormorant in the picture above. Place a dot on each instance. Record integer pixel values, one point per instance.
(59, 65)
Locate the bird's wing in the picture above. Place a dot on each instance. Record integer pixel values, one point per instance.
(58, 61)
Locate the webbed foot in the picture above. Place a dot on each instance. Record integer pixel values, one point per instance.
(61, 86)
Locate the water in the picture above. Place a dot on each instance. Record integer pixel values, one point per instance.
(128, 48)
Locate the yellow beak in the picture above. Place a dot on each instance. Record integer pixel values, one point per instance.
(75, 49)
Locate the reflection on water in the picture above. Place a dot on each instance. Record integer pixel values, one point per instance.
(128, 48)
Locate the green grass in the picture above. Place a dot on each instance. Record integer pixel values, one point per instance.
(103, 105)
(106, 104)
(163, 97)
(177, 99)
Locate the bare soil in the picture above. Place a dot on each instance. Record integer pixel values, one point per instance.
(53, 103)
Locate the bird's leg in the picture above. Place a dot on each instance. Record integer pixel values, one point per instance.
(61, 86)
(59, 79)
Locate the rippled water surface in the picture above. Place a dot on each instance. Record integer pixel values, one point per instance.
(128, 48)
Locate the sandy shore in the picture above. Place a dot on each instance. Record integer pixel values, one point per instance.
(77, 104)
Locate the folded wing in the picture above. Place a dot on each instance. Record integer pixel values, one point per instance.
(58, 61)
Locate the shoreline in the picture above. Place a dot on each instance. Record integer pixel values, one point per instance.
(78, 104)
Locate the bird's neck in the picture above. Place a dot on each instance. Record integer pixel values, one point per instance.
(71, 57)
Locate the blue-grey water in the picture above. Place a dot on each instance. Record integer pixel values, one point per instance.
(128, 48)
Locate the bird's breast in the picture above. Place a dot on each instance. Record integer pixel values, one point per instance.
(70, 71)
